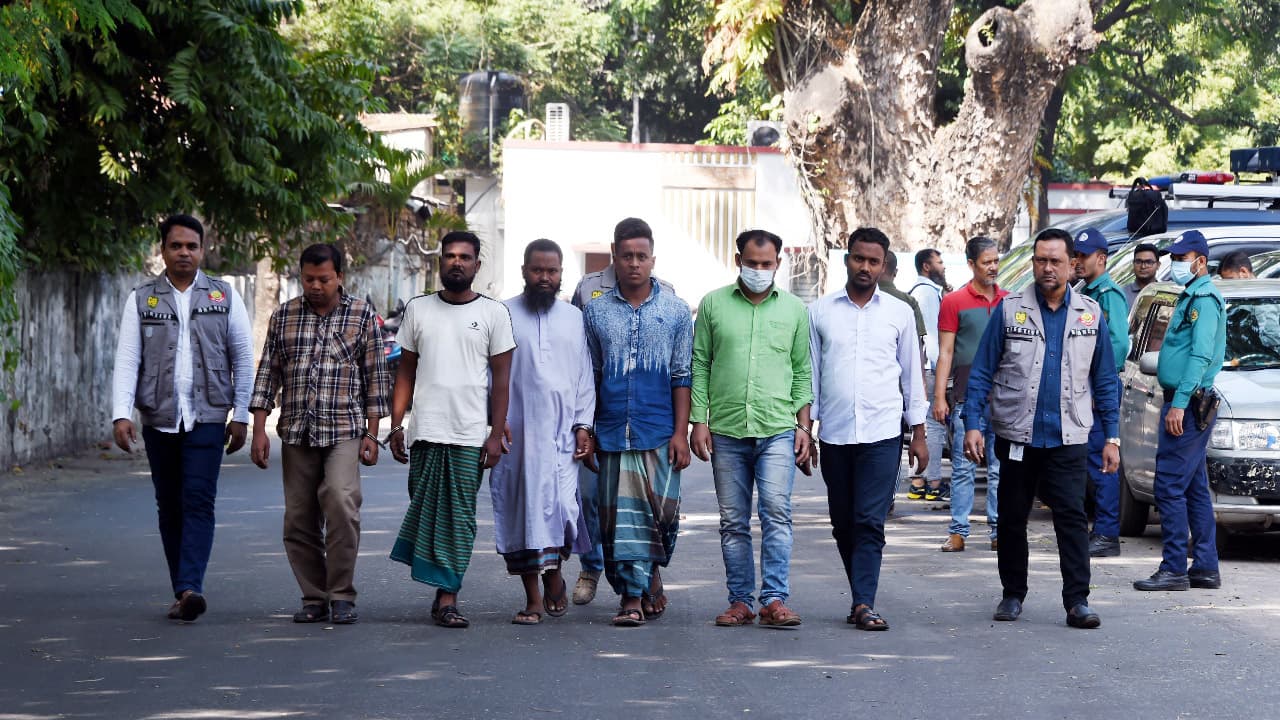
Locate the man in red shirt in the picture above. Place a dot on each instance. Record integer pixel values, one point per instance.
(961, 321)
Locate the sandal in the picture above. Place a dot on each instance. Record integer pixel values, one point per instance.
(449, 617)
(524, 617)
(312, 613)
(628, 618)
(737, 615)
(562, 600)
(866, 619)
(654, 604)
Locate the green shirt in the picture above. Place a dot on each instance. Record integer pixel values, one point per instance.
(1196, 342)
(1114, 308)
(887, 286)
(751, 371)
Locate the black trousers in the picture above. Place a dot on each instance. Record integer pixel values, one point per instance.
(1059, 476)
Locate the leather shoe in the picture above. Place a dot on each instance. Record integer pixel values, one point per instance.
(1008, 610)
(1163, 580)
(1209, 580)
(995, 545)
(1081, 616)
(1103, 546)
(954, 543)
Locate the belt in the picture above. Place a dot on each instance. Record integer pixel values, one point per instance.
(1169, 393)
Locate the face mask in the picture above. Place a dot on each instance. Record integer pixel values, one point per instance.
(1180, 271)
(756, 281)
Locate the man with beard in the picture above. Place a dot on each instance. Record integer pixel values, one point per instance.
(928, 291)
(864, 333)
(323, 355)
(751, 395)
(535, 490)
(641, 338)
(455, 366)
(1146, 260)
(962, 318)
(1044, 367)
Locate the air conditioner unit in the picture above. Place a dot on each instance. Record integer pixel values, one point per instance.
(763, 133)
(557, 122)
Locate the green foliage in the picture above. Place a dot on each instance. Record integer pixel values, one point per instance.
(594, 56)
(754, 100)
(1174, 87)
(120, 112)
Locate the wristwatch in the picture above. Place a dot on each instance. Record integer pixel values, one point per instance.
(591, 432)
(1114, 441)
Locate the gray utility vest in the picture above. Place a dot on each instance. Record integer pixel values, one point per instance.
(211, 384)
(1017, 379)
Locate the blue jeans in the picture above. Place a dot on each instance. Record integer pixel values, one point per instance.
(184, 470)
(860, 482)
(588, 492)
(962, 477)
(739, 467)
(934, 435)
(1182, 497)
(1106, 486)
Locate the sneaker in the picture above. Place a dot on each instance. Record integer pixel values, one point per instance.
(916, 492)
(940, 493)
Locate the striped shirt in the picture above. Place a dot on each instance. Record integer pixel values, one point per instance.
(329, 371)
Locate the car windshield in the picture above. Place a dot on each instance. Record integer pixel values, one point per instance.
(1264, 265)
(1253, 334)
(1013, 264)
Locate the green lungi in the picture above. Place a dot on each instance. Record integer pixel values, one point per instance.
(439, 528)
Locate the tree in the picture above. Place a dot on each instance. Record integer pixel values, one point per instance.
(1172, 86)
(117, 112)
(860, 82)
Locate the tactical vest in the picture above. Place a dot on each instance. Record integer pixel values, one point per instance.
(213, 392)
(1016, 383)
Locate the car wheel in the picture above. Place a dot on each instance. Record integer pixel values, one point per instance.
(1133, 512)
(1222, 538)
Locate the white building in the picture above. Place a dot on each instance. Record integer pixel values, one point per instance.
(696, 198)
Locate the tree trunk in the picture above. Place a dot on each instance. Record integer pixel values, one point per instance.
(861, 128)
(1048, 134)
(266, 297)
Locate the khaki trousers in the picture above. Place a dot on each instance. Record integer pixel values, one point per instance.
(322, 518)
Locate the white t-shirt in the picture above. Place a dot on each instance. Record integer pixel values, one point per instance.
(453, 344)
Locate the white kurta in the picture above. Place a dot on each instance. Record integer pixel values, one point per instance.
(535, 486)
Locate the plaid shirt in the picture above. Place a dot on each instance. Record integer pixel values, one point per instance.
(330, 371)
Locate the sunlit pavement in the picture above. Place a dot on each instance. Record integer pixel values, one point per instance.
(83, 634)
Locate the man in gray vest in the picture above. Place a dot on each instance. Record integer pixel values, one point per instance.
(590, 287)
(184, 360)
(1045, 366)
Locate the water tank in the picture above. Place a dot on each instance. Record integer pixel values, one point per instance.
(476, 93)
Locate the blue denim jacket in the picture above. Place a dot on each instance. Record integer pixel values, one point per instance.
(639, 355)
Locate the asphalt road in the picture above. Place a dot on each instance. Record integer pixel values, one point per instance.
(83, 592)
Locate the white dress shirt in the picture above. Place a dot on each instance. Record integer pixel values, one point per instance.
(129, 357)
(928, 295)
(866, 368)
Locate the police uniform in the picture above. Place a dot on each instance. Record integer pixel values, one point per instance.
(1105, 541)
(1191, 355)
(593, 285)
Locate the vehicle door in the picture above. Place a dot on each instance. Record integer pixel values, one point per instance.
(1142, 399)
